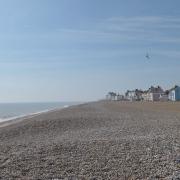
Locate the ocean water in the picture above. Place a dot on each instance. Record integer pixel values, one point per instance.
(10, 111)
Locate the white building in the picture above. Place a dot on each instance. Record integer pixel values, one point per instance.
(120, 97)
(164, 97)
(153, 94)
(135, 95)
(111, 96)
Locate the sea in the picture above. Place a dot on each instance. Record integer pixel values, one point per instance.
(10, 111)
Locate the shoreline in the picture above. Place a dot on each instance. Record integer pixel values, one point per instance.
(8, 121)
(12, 120)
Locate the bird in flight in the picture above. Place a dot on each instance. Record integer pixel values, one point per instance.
(147, 56)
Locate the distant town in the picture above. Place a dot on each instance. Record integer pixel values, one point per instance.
(152, 94)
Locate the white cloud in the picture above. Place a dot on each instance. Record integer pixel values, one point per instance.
(126, 29)
(112, 30)
(111, 37)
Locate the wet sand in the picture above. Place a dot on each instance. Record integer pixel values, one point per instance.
(100, 140)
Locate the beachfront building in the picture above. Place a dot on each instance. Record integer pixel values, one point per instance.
(174, 94)
(111, 96)
(164, 97)
(139, 94)
(145, 96)
(135, 95)
(153, 94)
(120, 97)
(130, 95)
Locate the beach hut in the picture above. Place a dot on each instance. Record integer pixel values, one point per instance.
(174, 94)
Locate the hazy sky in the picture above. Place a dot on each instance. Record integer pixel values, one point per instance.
(78, 50)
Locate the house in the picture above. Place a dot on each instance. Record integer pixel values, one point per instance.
(174, 94)
(135, 95)
(145, 96)
(139, 95)
(111, 96)
(120, 97)
(163, 97)
(130, 95)
(153, 94)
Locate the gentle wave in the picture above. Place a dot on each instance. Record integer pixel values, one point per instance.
(27, 115)
(10, 112)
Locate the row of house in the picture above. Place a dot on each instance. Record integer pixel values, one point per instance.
(114, 97)
(152, 94)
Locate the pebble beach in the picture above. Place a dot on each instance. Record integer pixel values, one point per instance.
(98, 140)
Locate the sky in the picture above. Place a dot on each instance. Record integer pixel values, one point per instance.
(78, 50)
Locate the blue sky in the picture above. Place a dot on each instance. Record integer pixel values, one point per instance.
(78, 50)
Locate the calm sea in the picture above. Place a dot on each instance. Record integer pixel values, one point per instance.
(10, 111)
